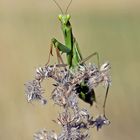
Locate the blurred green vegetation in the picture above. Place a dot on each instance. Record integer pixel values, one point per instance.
(111, 28)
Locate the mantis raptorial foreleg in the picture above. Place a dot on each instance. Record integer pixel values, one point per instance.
(59, 48)
(62, 48)
(77, 57)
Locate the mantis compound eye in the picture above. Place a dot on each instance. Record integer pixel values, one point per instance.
(60, 17)
(68, 17)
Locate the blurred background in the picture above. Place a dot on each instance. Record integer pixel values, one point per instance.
(110, 27)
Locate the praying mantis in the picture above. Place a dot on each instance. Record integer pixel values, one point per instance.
(73, 54)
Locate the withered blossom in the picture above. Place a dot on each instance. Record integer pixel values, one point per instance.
(68, 84)
(45, 135)
(34, 91)
(100, 121)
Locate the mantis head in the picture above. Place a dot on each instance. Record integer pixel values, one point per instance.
(64, 18)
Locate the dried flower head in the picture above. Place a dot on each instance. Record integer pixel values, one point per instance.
(100, 121)
(34, 91)
(69, 84)
(45, 135)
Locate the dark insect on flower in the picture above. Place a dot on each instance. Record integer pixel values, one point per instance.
(33, 91)
(85, 93)
(93, 76)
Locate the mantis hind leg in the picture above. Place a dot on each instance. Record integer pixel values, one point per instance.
(77, 57)
(106, 94)
(93, 54)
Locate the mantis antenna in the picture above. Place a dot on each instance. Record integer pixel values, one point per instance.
(68, 7)
(58, 6)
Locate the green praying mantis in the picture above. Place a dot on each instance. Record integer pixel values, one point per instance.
(73, 54)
